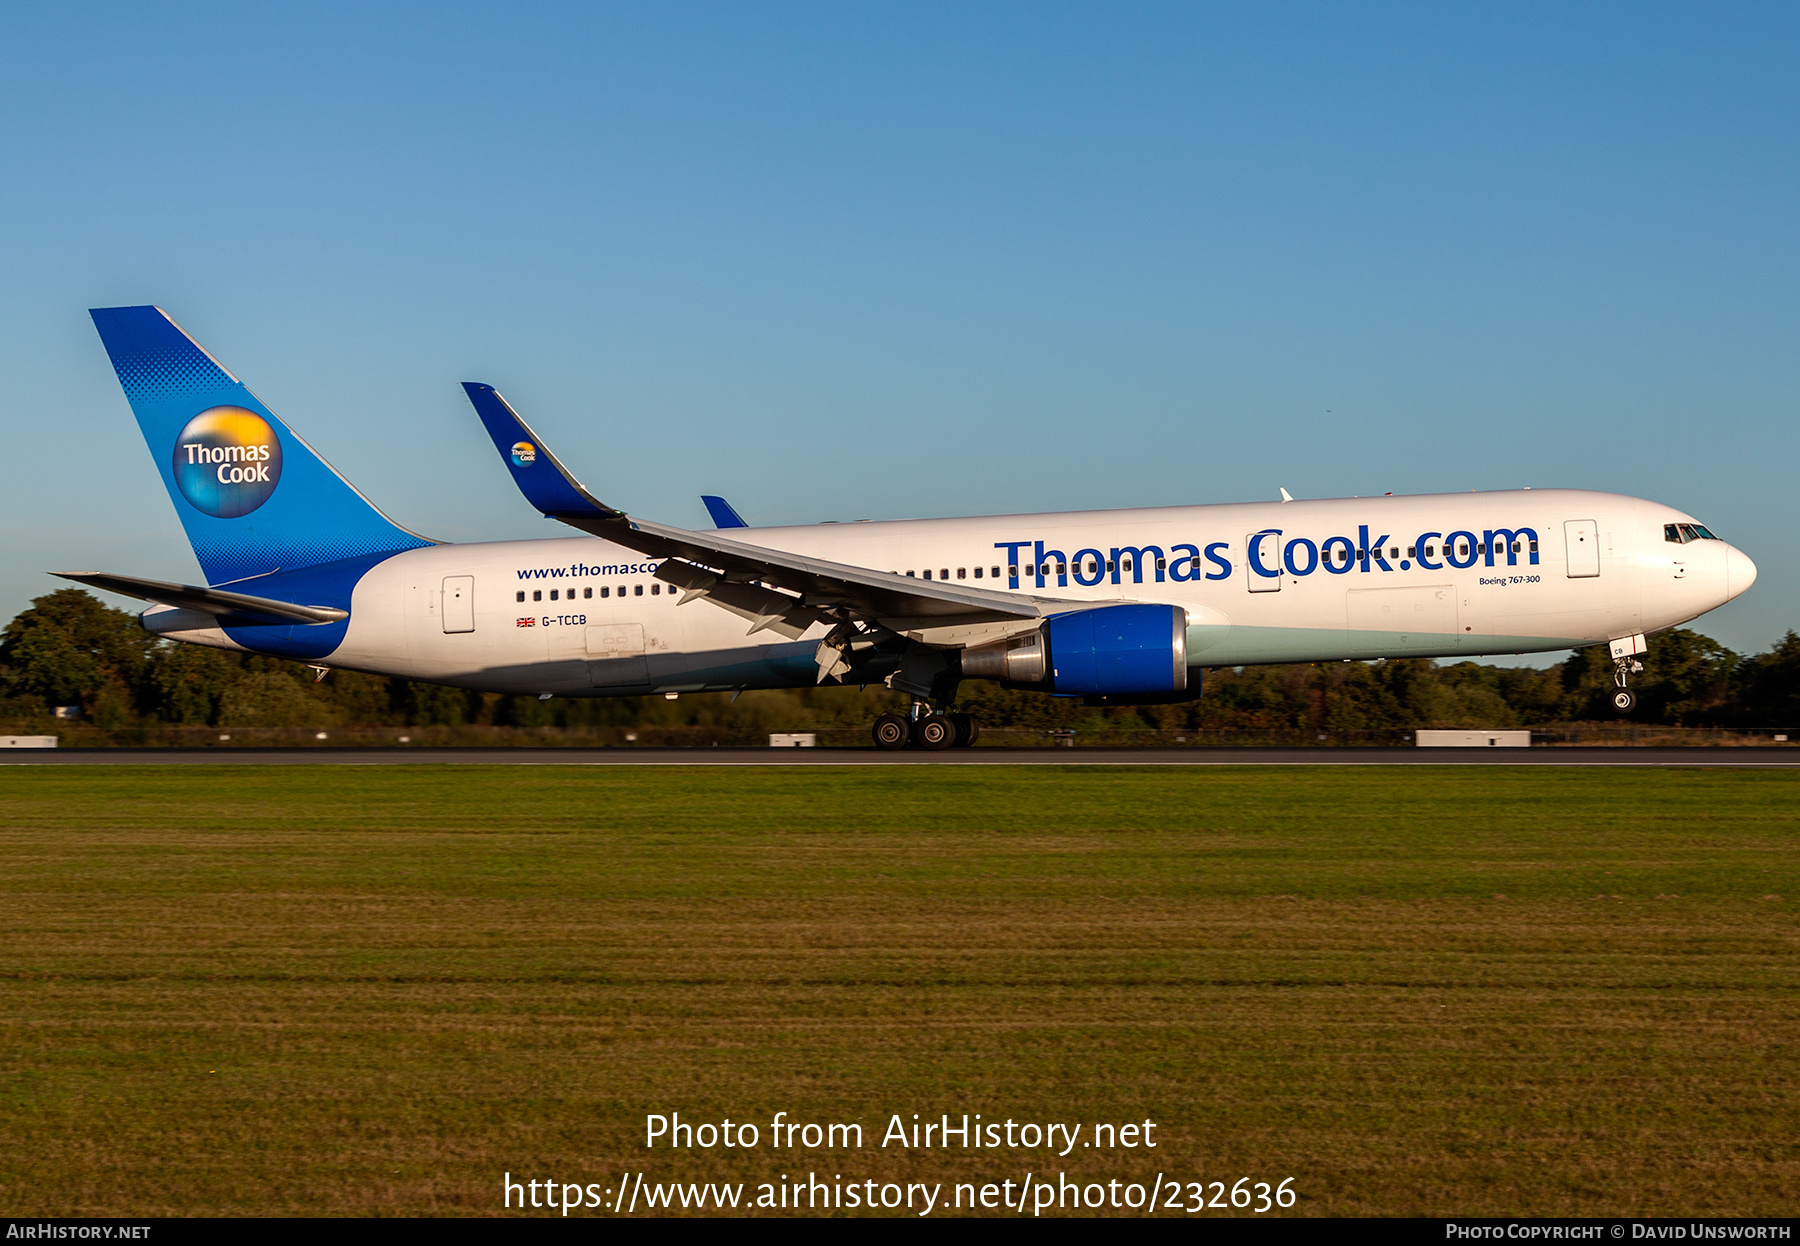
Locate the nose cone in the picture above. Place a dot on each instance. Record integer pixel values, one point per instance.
(1740, 572)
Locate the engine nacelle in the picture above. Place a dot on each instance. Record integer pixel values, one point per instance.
(1109, 651)
(1119, 651)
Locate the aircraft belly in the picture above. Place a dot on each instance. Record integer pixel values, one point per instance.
(787, 665)
(1255, 646)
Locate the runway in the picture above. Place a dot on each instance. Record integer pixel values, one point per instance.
(1737, 758)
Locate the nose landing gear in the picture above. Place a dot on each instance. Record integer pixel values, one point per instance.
(1624, 653)
(1624, 700)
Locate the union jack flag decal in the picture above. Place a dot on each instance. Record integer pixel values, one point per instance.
(527, 622)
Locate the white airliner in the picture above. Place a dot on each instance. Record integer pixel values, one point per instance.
(1115, 607)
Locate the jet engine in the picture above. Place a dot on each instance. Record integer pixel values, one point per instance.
(1113, 653)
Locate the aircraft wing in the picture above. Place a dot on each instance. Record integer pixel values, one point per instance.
(719, 566)
(232, 607)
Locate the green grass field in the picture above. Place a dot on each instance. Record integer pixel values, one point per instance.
(1415, 991)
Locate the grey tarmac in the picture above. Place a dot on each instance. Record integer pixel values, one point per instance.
(1751, 758)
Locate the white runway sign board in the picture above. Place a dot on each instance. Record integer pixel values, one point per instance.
(1472, 739)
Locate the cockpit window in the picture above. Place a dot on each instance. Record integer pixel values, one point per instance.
(1682, 533)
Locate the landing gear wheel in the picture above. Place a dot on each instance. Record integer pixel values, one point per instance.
(934, 732)
(1624, 700)
(891, 731)
(967, 730)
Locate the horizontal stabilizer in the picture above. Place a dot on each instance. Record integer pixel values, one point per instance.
(235, 608)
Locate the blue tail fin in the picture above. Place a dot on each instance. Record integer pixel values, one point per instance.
(252, 495)
(723, 516)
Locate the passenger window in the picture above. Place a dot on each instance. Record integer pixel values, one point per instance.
(1162, 564)
(1395, 552)
(944, 573)
(978, 573)
(1012, 570)
(996, 573)
(1109, 566)
(1534, 547)
(928, 573)
(605, 591)
(1463, 550)
(962, 573)
(1125, 565)
(656, 590)
(637, 590)
(910, 575)
(1410, 553)
(621, 590)
(1061, 569)
(521, 596)
(552, 594)
(537, 594)
(586, 593)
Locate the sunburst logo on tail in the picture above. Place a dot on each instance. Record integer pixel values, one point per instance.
(227, 461)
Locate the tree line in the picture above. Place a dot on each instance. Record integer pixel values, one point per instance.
(70, 649)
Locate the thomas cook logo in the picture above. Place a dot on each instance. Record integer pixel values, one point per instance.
(524, 453)
(227, 461)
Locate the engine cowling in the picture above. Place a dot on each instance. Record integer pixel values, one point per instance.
(1109, 651)
(1137, 650)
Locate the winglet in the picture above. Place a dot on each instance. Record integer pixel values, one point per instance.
(544, 481)
(723, 516)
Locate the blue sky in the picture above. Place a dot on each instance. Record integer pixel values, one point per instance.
(854, 260)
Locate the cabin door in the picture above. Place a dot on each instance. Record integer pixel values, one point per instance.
(1263, 548)
(1583, 539)
(459, 603)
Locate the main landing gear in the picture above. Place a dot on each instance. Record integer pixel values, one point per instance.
(925, 728)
